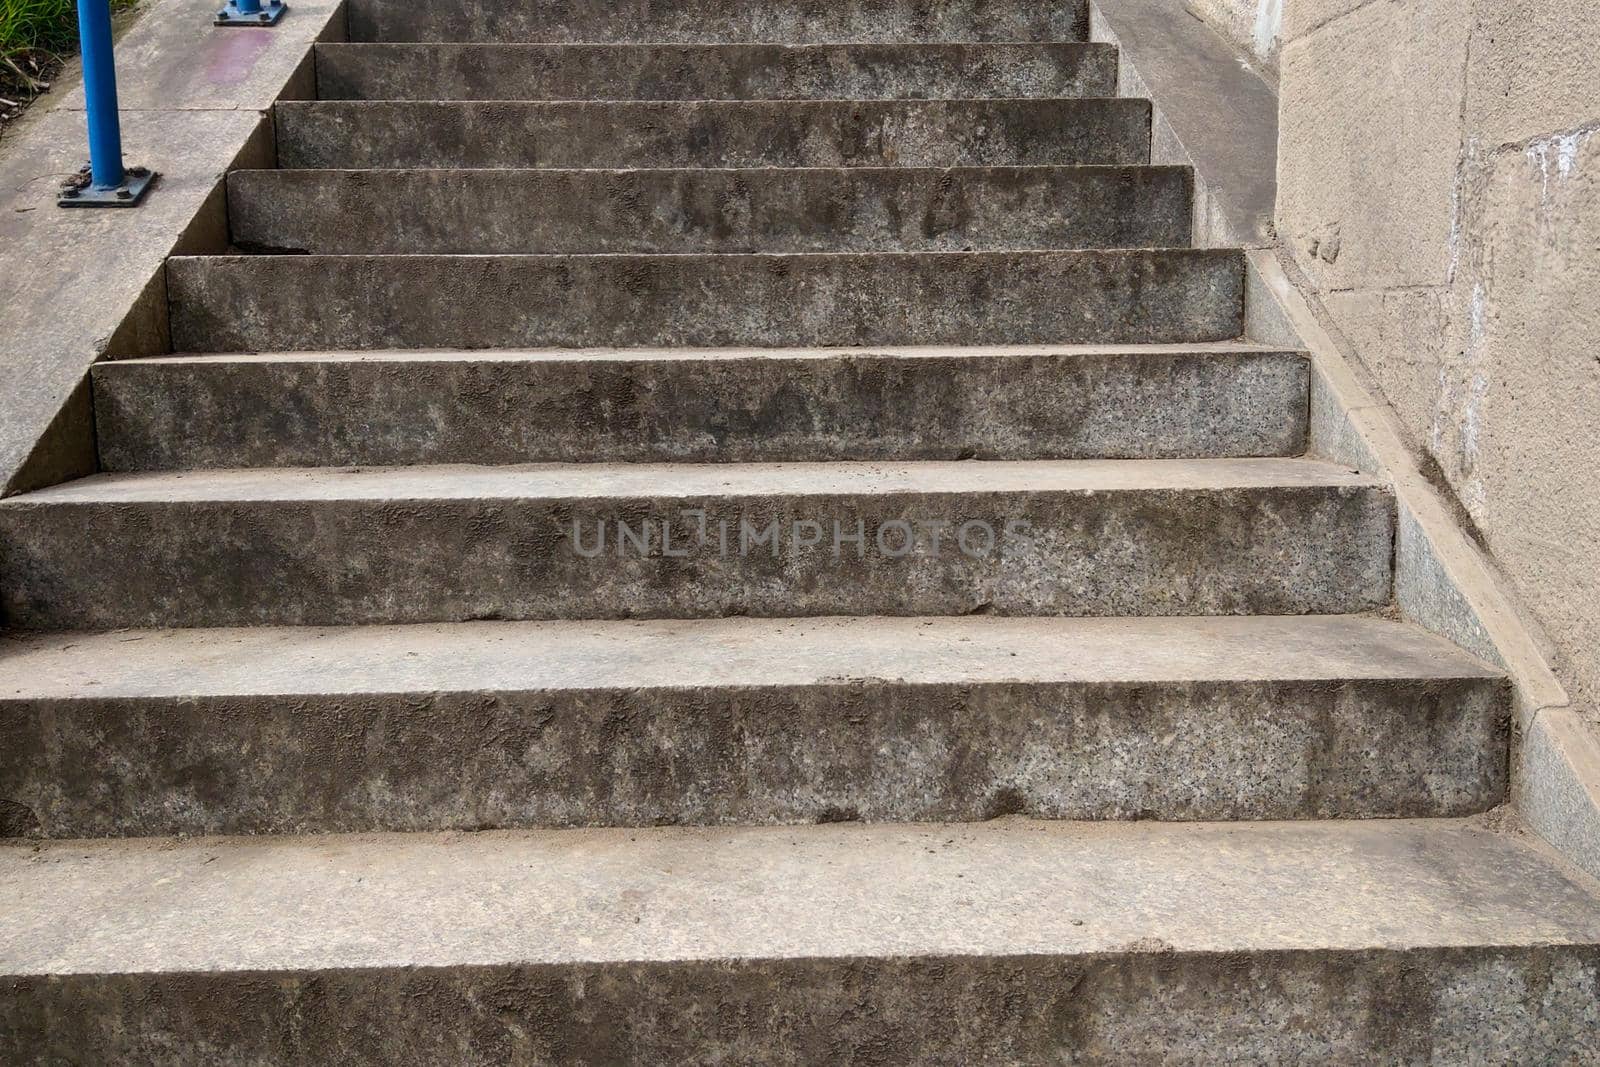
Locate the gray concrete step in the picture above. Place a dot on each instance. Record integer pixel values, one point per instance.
(852, 209)
(258, 303)
(716, 133)
(715, 21)
(328, 409)
(480, 725)
(423, 544)
(712, 71)
(1014, 941)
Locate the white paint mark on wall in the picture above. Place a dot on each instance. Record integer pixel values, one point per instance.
(1465, 165)
(1477, 319)
(1441, 410)
(1457, 433)
(1269, 16)
(1558, 153)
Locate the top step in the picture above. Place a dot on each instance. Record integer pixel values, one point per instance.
(716, 21)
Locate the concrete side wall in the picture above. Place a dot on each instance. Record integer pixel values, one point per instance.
(77, 286)
(1439, 180)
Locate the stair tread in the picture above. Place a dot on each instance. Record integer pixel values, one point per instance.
(250, 303)
(714, 70)
(590, 133)
(633, 355)
(666, 480)
(1000, 256)
(682, 47)
(490, 174)
(695, 210)
(673, 21)
(302, 174)
(1005, 888)
(743, 652)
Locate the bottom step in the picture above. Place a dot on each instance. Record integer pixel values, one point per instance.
(1012, 941)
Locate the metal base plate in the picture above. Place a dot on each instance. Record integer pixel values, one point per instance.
(269, 14)
(128, 194)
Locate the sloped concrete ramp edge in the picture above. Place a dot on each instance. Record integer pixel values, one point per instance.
(1443, 582)
(81, 286)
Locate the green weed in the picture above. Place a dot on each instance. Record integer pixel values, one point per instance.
(35, 35)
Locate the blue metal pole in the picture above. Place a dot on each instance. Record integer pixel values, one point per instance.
(100, 94)
(248, 7)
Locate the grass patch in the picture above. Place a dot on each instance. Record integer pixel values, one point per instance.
(35, 37)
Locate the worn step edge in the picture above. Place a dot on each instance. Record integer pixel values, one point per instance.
(256, 303)
(599, 481)
(741, 652)
(686, 354)
(441, 544)
(678, 22)
(486, 725)
(720, 405)
(1431, 940)
(721, 133)
(902, 70)
(678, 210)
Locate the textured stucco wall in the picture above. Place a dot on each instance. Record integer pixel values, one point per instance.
(1439, 185)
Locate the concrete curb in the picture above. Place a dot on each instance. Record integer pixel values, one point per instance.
(78, 285)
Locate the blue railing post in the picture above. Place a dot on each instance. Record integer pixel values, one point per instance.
(100, 93)
(250, 13)
(109, 184)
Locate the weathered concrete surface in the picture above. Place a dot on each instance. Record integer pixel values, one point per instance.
(1301, 17)
(1444, 581)
(424, 544)
(1209, 113)
(54, 326)
(718, 405)
(1020, 941)
(853, 209)
(1466, 280)
(254, 304)
(712, 21)
(742, 721)
(1557, 772)
(174, 59)
(1373, 63)
(55, 323)
(1252, 26)
(897, 71)
(712, 133)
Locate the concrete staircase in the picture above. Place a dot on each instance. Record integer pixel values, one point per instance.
(748, 457)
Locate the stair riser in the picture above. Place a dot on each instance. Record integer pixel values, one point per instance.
(713, 72)
(388, 412)
(257, 304)
(1442, 1005)
(683, 21)
(676, 211)
(1268, 551)
(876, 752)
(936, 133)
